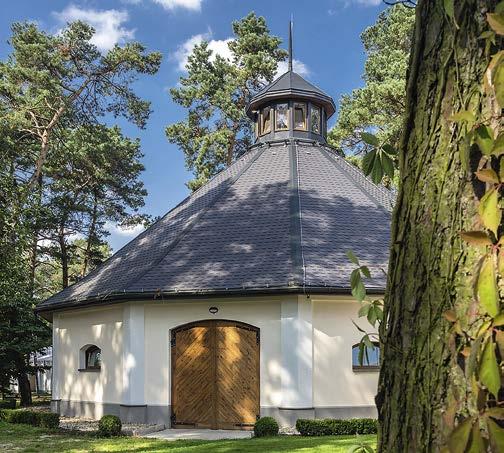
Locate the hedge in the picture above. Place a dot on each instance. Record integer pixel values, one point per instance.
(27, 417)
(335, 427)
(8, 404)
(265, 426)
(109, 425)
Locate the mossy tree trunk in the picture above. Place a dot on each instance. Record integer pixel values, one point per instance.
(430, 268)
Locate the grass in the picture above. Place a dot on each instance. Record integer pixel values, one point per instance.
(24, 438)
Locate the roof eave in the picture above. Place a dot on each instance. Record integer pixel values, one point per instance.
(260, 99)
(113, 298)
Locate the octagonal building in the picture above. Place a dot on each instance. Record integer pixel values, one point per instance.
(236, 304)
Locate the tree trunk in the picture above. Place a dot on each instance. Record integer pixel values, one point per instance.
(91, 234)
(64, 257)
(430, 268)
(24, 389)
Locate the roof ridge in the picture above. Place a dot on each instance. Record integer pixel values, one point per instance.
(196, 218)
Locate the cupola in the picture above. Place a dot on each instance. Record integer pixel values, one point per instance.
(290, 107)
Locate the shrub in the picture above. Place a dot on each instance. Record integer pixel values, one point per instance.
(266, 426)
(8, 404)
(20, 416)
(335, 427)
(48, 420)
(109, 425)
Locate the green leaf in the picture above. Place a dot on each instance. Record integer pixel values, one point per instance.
(371, 317)
(499, 320)
(388, 165)
(352, 257)
(487, 175)
(496, 434)
(363, 311)
(477, 444)
(449, 8)
(484, 139)
(370, 139)
(499, 9)
(486, 287)
(496, 21)
(460, 436)
(499, 339)
(464, 116)
(365, 271)
(489, 372)
(368, 162)
(498, 83)
(477, 238)
(377, 170)
(490, 211)
(359, 290)
(389, 149)
(498, 149)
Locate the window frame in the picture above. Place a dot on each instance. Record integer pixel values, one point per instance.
(85, 353)
(277, 129)
(304, 108)
(261, 121)
(314, 107)
(366, 367)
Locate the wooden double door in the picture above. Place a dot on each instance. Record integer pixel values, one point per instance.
(215, 375)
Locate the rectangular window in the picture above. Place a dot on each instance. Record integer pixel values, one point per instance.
(315, 119)
(299, 116)
(282, 117)
(266, 120)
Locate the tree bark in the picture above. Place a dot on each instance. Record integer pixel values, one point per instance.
(430, 268)
(64, 257)
(24, 389)
(91, 234)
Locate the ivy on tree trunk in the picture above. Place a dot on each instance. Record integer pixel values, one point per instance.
(431, 269)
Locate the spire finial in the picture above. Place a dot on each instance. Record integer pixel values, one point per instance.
(290, 44)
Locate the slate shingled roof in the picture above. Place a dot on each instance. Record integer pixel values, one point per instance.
(291, 85)
(279, 219)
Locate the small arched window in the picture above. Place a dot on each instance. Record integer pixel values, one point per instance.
(90, 358)
(366, 358)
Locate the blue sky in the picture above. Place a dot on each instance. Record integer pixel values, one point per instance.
(327, 48)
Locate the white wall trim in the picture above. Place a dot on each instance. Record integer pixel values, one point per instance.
(297, 353)
(133, 354)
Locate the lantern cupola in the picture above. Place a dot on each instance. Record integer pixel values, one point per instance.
(290, 107)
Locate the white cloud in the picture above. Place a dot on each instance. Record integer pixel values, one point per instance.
(107, 23)
(194, 5)
(369, 2)
(114, 228)
(297, 66)
(218, 46)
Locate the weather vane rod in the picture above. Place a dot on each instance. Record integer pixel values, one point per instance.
(290, 44)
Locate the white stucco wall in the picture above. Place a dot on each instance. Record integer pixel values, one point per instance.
(334, 381)
(160, 318)
(71, 331)
(308, 363)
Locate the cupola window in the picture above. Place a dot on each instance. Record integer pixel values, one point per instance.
(282, 117)
(265, 121)
(315, 119)
(299, 116)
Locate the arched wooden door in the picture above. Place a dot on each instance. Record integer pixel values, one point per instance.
(215, 375)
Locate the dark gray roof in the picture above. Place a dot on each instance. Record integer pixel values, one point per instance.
(291, 85)
(281, 218)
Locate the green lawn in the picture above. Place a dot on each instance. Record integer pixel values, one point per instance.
(23, 438)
